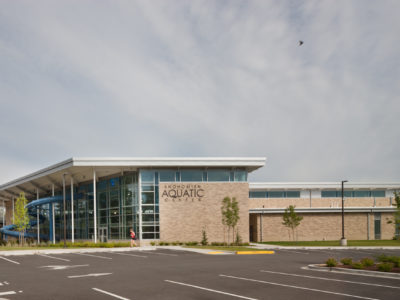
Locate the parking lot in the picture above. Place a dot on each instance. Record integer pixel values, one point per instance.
(167, 274)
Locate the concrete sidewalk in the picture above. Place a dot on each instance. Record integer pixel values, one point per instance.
(272, 247)
(94, 250)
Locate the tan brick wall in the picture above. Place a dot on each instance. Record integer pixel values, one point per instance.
(318, 202)
(182, 219)
(387, 230)
(322, 226)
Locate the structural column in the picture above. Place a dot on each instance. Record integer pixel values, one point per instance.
(94, 207)
(37, 218)
(64, 213)
(13, 210)
(72, 211)
(140, 204)
(53, 219)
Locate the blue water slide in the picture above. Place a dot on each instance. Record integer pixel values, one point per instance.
(9, 230)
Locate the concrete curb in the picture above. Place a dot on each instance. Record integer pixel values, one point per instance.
(323, 268)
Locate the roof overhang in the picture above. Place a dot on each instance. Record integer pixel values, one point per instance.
(254, 186)
(81, 169)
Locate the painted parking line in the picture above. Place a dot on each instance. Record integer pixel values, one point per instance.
(210, 290)
(135, 255)
(298, 287)
(7, 293)
(44, 255)
(63, 267)
(331, 279)
(89, 275)
(98, 256)
(110, 294)
(160, 253)
(13, 261)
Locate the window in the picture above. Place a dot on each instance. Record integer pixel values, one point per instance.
(328, 194)
(254, 194)
(147, 176)
(377, 227)
(360, 194)
(218, 175)
(191, 175)
(276, 194)
(240, 176)
(167, 176)
(293, 194)
(377, 194)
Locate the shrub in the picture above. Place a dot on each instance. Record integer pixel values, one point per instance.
(166, 243)
(191, 243)
(153, 243)
(396, 261)
(382, 258)
(347, 261)
(331, 262)
(367, 262)
(385, 267)
(389, 259)
(204, 240)
(3, 243)
(161, 243)
(357, 265)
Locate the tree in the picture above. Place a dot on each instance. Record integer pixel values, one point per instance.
(21, 217)
(230, 215)
(396, 217)
(291, 219)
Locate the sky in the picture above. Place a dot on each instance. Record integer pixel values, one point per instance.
(203, 78)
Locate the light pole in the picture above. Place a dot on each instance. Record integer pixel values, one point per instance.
(343, 241)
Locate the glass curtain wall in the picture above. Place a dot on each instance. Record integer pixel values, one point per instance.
(150, 206)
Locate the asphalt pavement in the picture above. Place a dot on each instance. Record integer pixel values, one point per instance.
(169, 274)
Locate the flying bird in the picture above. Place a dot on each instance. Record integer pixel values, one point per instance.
(301, 43)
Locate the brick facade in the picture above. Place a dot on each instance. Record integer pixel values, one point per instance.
(184, 218)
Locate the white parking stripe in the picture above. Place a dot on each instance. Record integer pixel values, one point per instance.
(298, 287)
(7, 293)
(331, 279)
(93, 255)
(53, 257)
(15, 262)
(129, 254)
(210, 290)
(159, 253)
(110, 294)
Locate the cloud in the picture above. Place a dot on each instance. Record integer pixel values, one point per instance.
(198, 78)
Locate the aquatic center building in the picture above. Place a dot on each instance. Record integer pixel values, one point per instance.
(176, 199)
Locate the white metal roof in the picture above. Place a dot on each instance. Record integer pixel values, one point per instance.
(254, 186)
(81, 169)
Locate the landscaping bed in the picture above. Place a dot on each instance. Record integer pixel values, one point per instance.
(380, 263)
